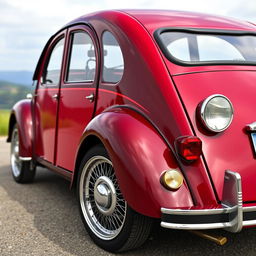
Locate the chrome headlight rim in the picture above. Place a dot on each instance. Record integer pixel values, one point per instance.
(202, 109)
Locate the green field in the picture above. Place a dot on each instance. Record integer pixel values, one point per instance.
(4, 120)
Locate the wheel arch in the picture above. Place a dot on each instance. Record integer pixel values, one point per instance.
(22, 115)
(139, 156)
(12, 122)
(86, 143)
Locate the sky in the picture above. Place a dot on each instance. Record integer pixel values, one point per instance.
(26, 25)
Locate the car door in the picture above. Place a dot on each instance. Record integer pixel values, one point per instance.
(46, 100)
(77, 93)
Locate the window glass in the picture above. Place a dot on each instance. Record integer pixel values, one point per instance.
(192, 47)
(215, 48)
(52, 72)
(113, 59)
(82, 62)
(180, 49)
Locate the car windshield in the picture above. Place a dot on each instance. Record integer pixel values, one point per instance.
(206, 48)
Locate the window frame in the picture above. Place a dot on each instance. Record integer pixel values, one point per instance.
(70, 37)
(102, 54)
(201, 31)
(84, 27)
(47, 57)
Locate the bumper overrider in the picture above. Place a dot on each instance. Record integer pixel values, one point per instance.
(232, 216)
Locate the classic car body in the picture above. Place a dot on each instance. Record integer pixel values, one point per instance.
(145, 115)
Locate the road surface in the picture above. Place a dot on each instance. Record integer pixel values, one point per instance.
(42, 219)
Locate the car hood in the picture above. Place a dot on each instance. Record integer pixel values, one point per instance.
(231, 149)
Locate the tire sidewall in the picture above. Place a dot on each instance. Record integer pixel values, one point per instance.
(116, 243)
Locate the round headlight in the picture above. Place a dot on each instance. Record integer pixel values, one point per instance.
(216, 113)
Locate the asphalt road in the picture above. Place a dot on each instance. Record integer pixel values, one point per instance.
(42, 219)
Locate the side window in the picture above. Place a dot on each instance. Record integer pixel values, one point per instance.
(113, 59)
(180, 49)
(82, 60)
(52, 72)
(216, 48)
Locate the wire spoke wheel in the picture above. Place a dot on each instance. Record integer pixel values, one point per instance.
(102, 203)
(109, 220)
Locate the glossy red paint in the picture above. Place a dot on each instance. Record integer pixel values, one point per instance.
(153, 91)
(46, 110)
(75, 111)
(71, 126)
(140, 156)
(45, 117)
(139, 118)
(231, 149)
(152, 21)
(22, 114)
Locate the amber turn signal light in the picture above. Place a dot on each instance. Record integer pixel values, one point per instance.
(172, 179)
(189, 147)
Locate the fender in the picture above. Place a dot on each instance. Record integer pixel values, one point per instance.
(22, 115)
(139, 156)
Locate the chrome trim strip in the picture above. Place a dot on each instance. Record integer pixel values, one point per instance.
(198, 212)
(195, 226)
(25, 158)
(247, 223)
(249, 209)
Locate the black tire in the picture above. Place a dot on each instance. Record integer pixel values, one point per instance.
(22, 171)
(133, 229)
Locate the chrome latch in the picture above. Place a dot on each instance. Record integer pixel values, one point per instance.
(90, 97)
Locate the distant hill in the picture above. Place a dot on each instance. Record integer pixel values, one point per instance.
(17, 77)
(10, 93)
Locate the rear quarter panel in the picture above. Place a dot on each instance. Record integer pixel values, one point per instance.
(139, 156)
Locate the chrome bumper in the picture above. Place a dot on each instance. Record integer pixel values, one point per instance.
(232, 216)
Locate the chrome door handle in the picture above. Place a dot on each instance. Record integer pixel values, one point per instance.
(90, 97)
(55, 96)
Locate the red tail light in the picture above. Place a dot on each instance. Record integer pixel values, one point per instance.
(189, 147)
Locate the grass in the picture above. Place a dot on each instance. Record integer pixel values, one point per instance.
(4, 121)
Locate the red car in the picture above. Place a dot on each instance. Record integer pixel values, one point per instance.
(151, 114)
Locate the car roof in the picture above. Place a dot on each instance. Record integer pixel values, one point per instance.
(154, 19)
(163, 18)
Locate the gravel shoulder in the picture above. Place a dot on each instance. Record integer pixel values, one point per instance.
(42, 219)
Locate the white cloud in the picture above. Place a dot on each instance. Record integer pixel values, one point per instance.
(25, 25)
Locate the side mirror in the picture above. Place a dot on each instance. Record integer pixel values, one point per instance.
(29, 96)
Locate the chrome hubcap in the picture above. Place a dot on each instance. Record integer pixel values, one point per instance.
(102, 203)
(105, 195)
(15, 159)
